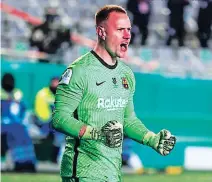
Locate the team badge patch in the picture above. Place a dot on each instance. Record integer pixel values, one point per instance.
(65, 79)
(125, 83)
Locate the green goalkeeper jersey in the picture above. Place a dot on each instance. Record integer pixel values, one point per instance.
(91, 92)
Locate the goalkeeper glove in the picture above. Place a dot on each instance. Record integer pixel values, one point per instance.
(163, 142)
(111, 134)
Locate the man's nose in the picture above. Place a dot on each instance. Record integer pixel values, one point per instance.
(127, 34)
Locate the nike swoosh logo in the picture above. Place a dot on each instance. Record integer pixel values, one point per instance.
(97, 84)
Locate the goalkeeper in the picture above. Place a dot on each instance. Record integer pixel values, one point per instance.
(94, 106)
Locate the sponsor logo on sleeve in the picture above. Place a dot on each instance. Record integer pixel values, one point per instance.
(65, 79)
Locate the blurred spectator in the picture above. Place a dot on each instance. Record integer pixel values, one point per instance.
(44, 101)
(141, 10)
(44, 104)
(176, 21)
(130, 158)
(204, 21)
(16, 139)
(52, 37)
(8, 90)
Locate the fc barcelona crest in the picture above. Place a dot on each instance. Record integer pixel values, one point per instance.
(125, 83)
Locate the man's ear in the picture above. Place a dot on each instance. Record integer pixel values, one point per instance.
(101, 32)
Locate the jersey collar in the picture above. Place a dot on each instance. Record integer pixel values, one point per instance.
(103, 62)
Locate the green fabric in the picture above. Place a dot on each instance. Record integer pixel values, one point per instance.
(99, 94)
(151, 139)
(133, 127)
(67, 179)
(68, 97)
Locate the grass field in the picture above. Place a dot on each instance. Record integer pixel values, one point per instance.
(185, 177)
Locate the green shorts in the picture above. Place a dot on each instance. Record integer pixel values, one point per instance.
(68, 179)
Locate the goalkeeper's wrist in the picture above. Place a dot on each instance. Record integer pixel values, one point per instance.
(88, 133)
(150, 139)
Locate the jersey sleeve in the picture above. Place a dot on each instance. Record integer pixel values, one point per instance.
(133, 127)
(68, 96)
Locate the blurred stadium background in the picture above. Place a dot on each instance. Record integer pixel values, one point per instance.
(174, 86)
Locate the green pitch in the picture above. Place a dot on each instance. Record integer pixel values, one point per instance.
(185, 177)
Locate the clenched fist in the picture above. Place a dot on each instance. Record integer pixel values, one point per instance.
(163, 142)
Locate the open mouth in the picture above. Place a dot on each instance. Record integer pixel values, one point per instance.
(124, 46)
